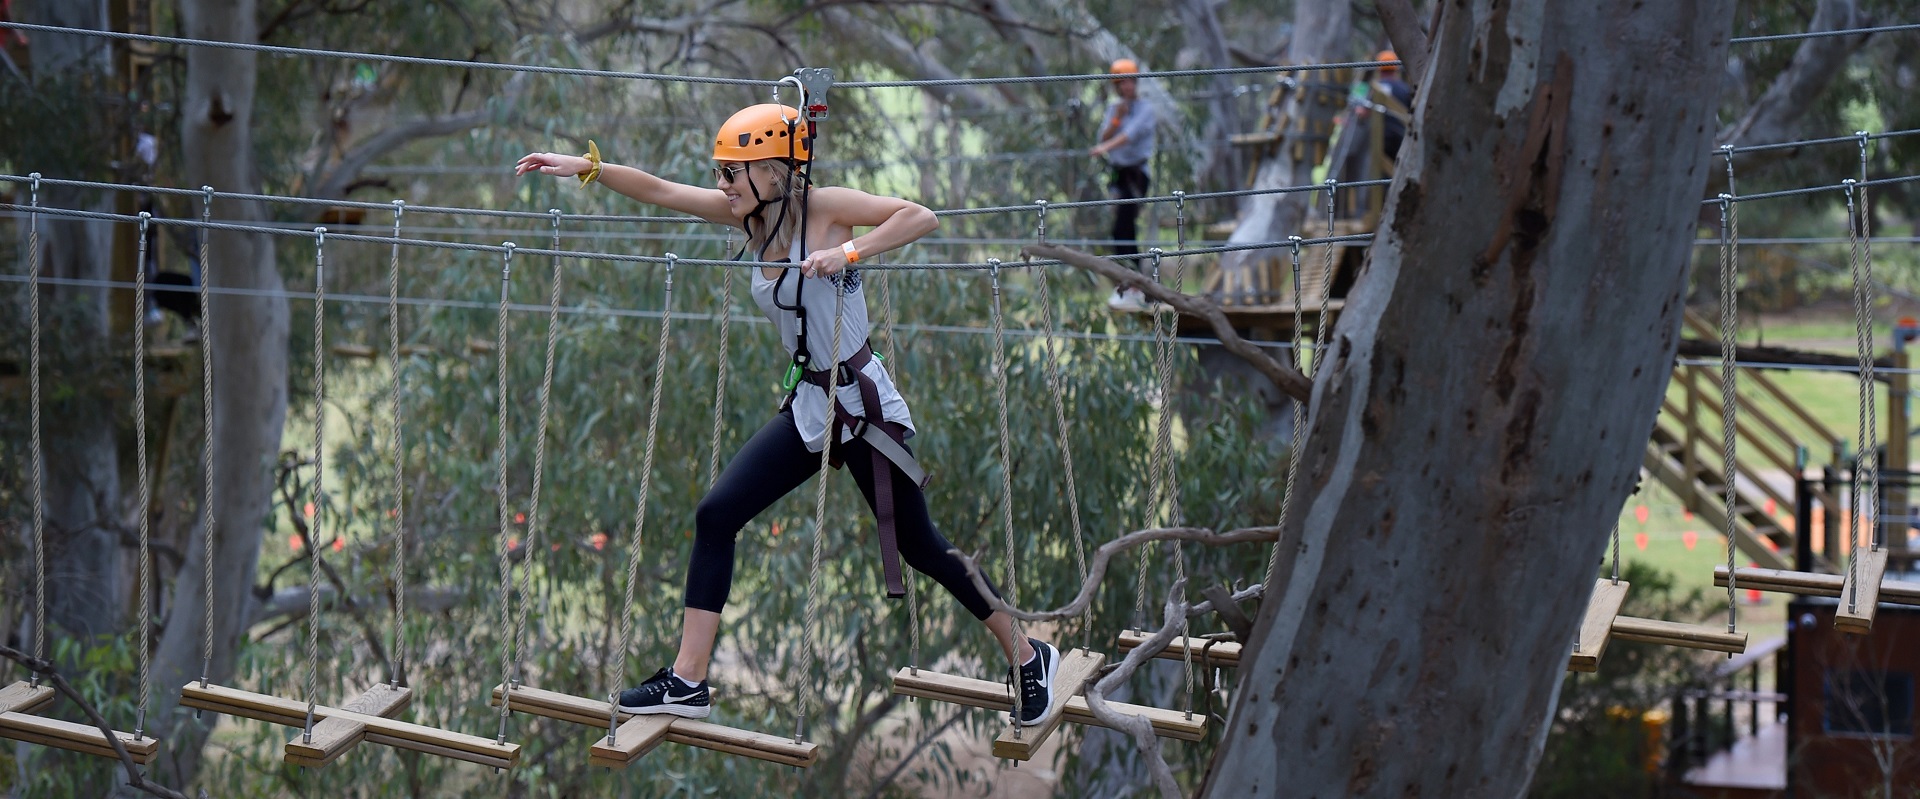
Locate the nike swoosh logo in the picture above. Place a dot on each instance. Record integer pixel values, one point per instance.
(670, 699)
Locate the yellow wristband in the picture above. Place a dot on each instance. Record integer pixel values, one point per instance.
(853, 253)
(593, 157)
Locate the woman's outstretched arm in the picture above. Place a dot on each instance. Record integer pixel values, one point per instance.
(708, 204)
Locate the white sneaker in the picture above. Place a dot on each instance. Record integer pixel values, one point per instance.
(1127, 300)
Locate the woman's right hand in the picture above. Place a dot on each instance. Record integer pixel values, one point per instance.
(555, 164)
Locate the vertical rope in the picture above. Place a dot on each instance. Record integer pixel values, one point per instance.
(1872, 427)
(810, 652)
(1006, 478)
(1729, 385)
(1057, 387)
(1320, 324)
(535, 521)
(146, 476)
(720, 375)
(209, 527)
(501, 512)
(887, 354)
(314, 545)
(1176, 516)
(397, 670)
(39, 455)
(640, 507)
(1299, 416)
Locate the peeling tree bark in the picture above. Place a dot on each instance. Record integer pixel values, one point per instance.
(1484, 408)
(249, 350)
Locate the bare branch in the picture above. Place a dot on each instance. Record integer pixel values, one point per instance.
(1230, 613)
(372, 148)
(1097, 565)
(927, 740)
(1410, 42)
(1139, 728)
(1775, 116)
(899, 53)
(1283, 376)
(45, 669)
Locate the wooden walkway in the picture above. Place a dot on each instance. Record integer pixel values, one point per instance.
(1755, 766)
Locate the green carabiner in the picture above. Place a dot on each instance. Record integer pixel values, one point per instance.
(792, 378)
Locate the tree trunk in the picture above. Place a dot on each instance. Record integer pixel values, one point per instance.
(87, 592)
(249, 350)
(1219, 165)
(1484, 408)
(1322, 29)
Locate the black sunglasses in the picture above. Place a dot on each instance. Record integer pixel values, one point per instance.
(730, 173)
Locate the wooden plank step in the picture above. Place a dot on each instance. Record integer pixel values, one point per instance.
(994, 696)
(399, 734)
(1076, 669)
(1860, 594)
(25, 697)
(635, 737)
(332, 737)
(1223, 654)
(1259, 139)
(1673, 633)
(1597, 628)
(73, 737)
(1783, 581)
(686, 732)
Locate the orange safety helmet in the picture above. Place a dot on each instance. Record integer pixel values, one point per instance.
(1124, 66)
(1388, 55)
(763, 131)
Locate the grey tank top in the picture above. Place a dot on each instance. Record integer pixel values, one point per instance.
(810, 401)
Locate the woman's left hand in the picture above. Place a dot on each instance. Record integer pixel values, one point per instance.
(824, 263)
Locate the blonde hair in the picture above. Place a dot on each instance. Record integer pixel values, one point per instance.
(785, 181)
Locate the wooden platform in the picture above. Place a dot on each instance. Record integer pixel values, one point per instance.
(20, 700)
(1222, 654)
(379, 730)
(997, 696)
(1756, 764)
(593, 713)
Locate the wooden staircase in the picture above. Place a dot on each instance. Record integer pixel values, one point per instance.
(1684, 453)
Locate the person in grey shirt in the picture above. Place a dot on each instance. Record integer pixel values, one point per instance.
(1126, 141)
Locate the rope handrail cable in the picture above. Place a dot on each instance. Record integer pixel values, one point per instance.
(1783, 37)
(643, 259)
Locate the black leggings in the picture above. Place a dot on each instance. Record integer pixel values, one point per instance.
(1128, 183)
(775, 462)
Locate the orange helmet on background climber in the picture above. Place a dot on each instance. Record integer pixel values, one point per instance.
(1388, 55)
(758, 132)
(1124, 66)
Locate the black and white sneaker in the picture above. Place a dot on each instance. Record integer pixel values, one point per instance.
(1036, 682)
(664, 692)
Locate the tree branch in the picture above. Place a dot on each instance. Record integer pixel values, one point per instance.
(1410, 42)
(1283, 376)
(1139, 728)
(896, 51)
(370, 149)
(892, 774)
(1097, 567)
(1773, 117)
(135, 779)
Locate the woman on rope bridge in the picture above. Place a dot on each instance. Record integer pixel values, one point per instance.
(763, 187)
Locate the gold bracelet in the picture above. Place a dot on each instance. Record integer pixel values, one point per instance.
(593, 157)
